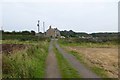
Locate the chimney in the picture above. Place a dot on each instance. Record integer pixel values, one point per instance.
(50, 27)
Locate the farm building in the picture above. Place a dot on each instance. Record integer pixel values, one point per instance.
(53, 33)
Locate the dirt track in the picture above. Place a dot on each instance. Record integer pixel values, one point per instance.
(83, 71)
(52, 70)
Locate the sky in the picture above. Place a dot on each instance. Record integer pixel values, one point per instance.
(77, 15)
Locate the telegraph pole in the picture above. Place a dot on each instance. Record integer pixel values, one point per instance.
(38, 26)
(44, 28)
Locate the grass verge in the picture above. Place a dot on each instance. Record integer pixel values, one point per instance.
(27, 63)
(65, 68)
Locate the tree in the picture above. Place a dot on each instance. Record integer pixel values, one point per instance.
(26, 33)
(32, 32)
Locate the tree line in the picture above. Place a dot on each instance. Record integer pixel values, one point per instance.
(66, 33)
(18, 33)
(94, 37)
(71, 33)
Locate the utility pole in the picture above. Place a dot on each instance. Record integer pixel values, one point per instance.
(38, 26)
(44, 28)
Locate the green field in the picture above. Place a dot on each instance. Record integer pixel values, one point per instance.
(84, 43)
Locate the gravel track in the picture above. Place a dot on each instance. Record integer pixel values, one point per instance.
(83, 71)
(52, 70)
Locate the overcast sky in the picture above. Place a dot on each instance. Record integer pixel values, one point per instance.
(77, 15)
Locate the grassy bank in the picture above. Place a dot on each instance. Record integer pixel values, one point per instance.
(65, 68)
(26, 63)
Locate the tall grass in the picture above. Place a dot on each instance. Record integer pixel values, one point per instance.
(28, 63)
(17, 41)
